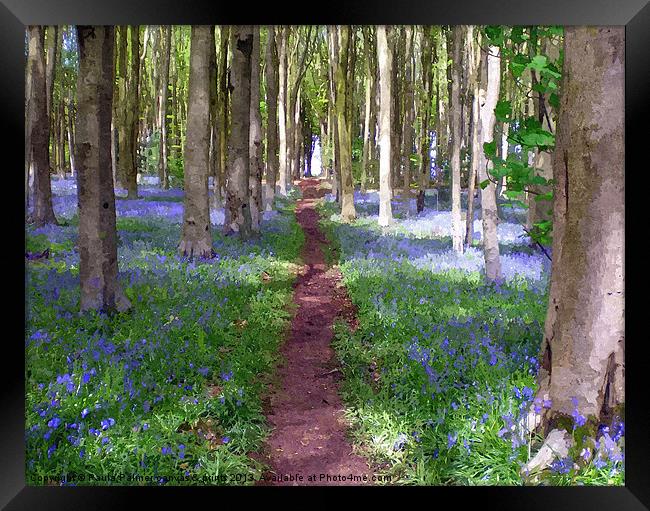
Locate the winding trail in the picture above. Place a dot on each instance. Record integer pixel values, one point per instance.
(309, 442)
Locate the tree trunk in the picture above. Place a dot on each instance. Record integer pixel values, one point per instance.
(134, 113)
(237, 184)
(214, 121)
(425, 110)
(385, 59)
(456, 220)
(348, 212)
(272, 161)
(39, 129)
(409, 113)
(163, 172)
(584, 343)
(282, 111)
(196, 239)
(71, 136)
(223, 108)
(255, 137)
(473, 70)
(98, 267)
(369, 103)
(488, 96)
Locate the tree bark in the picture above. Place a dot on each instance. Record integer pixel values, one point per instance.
(163, 172)
(255, 136)
(39, 128)
(584, 343)
(348, 212)
(425, 111)
(474, 62)
(196, 239)
(223, 109)
(456, 220)
(488, 96)
(282, 111)
(385, 60)
(272, 160)
(409, 113)
(237, 183)
(214, 122)
(98, 266)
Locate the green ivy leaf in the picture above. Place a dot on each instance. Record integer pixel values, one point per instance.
(484, 184)
(490, 149)
(538, 62)
(503, 111)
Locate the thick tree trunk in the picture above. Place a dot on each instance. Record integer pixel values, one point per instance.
(39, 129)
(255, 137)
(98, 267)
(196, 239)
(456, 220)
(163, 173)
(272, 161)
(282, 112)
(348, 212)
(488, 96)
(385, 59)
(584, 343)
(237, 184)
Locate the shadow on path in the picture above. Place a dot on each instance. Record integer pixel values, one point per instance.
(309, 436)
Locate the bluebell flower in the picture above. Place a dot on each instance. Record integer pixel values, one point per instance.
(54, 422)
(166, 450)
(225, 439)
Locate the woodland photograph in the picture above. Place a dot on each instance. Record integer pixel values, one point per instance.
(262, 255)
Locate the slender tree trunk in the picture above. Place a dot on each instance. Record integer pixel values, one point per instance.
(348, 212)
(51, 57)
(196, 238)
(98, 266)
(255, 137)
(369, 102)
(473, 69)
(71, 136)
(409, 113)
(456, 220)
(272, 160)
(385, 59)
(223, 108)
(214, 121)
(425, 110)
(163, 171)
(282, 111)
(40, 128)
(488, 96)
(134, 114)
(237, 184)
(584, 343)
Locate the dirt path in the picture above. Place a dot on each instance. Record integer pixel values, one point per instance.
(308, 443)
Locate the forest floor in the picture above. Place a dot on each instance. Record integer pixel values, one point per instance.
(309, 445)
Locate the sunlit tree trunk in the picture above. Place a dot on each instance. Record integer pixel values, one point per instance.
(98, 266)
(255, 137)
(348, 212)
(237, 184)
(456, 220)
(385, 60)
(39, 128)
(272, 160)
(196, 238)
(584, 342)
(473, 71)
(488, 96)
(368, 105)
(282, 111)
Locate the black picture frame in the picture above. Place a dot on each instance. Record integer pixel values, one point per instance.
(16, 14)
